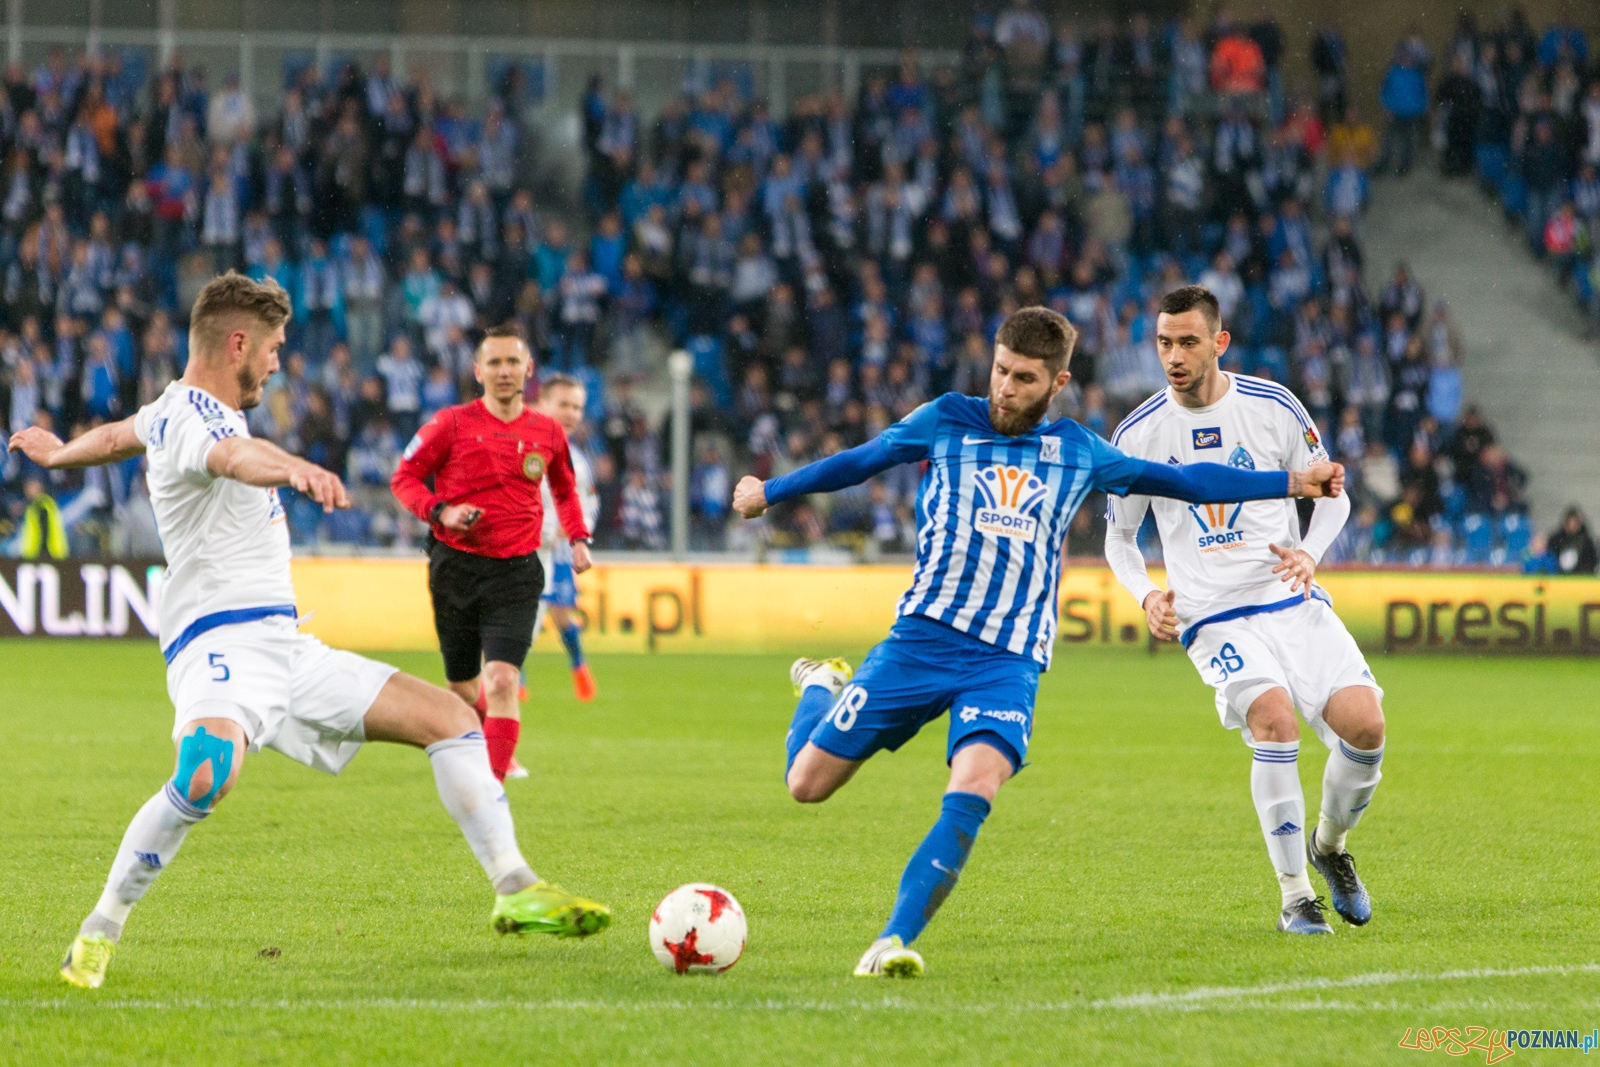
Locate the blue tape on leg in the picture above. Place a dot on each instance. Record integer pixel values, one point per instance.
(197, 749)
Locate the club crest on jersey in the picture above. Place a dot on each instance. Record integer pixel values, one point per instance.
(1049, 450)
(1208, 437)
(1216, 526)
(1008, 497)
(533, 466)
(1242, 459)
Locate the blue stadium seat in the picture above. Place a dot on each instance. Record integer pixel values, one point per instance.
(304, 516)
(1515, 531)
(347, 527)
(709, 365)
(1514, 193)
(1492, 160)
(1478, 533)
(1274, 360)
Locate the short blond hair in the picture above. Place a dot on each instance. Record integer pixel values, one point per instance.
(230, 297)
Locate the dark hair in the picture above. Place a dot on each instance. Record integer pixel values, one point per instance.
(505, 329)
(1194, 298)
(1039, 333)
(229, 296)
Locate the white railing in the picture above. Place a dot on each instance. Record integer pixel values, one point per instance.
(461, 66)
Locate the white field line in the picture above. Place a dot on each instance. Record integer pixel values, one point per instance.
(1202, 999)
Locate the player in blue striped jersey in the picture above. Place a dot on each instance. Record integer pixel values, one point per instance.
(979, 621)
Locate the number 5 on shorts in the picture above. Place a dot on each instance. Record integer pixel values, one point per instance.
(222, 673)
(846, 708)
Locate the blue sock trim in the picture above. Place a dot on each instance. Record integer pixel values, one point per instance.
(936, 866)
(181, 803)
(1277, 751)
(572, 638)
(1360, 755)
(814, 704)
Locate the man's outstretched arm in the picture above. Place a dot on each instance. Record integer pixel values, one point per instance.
(853, 466)
(906, 441)
(1214, 483)
(261, 463)
(110, 443)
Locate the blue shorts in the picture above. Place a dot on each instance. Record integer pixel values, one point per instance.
(560, 590)
(913, 677)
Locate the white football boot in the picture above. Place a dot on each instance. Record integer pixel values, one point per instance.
(832, 674)
(889, 958)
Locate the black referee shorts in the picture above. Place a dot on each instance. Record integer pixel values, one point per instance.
(483, 608)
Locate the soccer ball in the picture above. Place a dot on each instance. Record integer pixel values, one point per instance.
(698, 929)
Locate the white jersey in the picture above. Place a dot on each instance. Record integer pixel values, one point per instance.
(550, 536)
(1217, 558)
(227, 543)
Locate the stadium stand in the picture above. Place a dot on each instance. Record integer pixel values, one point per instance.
(828, 269)
(1521, 108)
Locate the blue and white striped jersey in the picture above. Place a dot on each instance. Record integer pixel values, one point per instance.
(994, 513)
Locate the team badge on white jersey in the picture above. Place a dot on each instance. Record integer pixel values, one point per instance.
(1008, 500)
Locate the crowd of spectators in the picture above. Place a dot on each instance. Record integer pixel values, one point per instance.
(1521, 109)
(829, 269)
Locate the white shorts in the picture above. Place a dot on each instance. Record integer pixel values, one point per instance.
(287, 690)
(1304, 649)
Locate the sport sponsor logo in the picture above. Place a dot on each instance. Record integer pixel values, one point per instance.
(1216, 526)
(1208, 437)
(1008, 498)
(970, 713)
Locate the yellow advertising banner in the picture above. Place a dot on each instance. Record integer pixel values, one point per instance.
(382, 604)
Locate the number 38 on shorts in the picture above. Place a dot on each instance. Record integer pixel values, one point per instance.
(1226, 662)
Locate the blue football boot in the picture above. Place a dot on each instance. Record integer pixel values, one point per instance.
(1305, 917)
(1350, 898)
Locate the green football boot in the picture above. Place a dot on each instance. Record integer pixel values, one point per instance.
(546, 909)
(87, 961)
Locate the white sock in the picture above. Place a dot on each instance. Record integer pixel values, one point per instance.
(1281, 808)
(149, 845)
(1348, 782)
(478, 805)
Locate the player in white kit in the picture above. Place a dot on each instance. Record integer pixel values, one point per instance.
(562, 398)
(1266, 648)
(239, 673)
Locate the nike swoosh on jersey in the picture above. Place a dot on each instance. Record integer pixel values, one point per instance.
(970, 440)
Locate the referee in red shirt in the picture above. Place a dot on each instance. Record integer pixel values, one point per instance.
(484, 513)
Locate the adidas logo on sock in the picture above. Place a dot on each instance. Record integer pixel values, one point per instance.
(149, 859)
(1286, 829)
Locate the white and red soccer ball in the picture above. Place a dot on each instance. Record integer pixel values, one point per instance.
(698, 929)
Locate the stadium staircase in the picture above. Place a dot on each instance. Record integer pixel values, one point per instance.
(1526, 365)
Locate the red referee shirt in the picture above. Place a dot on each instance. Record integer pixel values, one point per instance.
(474, 458)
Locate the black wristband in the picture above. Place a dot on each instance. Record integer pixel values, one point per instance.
(435, 511)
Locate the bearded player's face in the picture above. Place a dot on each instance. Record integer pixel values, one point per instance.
(1020, 391)
(260, 363)
(502, 367)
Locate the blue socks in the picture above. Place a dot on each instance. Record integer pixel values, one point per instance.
(574, 646)
(936, 865)
(814, 704)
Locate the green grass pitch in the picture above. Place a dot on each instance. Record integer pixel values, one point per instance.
(1118, 907)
